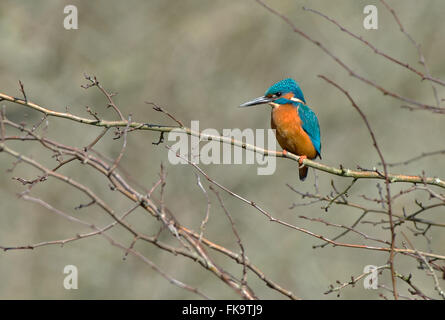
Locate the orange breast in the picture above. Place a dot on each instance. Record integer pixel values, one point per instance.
(289, 132)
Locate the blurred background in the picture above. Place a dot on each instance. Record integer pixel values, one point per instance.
(200, 60)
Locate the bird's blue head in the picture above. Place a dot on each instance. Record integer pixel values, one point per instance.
(281, 92)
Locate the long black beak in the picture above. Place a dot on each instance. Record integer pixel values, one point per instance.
(254, 102)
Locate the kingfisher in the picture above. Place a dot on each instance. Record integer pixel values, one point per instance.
(296, 125)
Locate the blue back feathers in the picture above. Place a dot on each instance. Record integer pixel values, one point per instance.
(310, 125)
(308, 118)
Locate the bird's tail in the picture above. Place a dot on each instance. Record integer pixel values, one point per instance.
(303, 172)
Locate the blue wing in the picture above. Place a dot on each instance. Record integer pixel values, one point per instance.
(310, 125)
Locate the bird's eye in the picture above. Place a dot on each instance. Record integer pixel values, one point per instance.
(278, 94)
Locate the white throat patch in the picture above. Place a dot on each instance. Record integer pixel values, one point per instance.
(274, 105)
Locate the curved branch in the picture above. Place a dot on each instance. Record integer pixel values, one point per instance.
(342, 172)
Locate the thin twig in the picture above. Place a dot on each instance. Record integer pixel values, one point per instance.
(387, 180)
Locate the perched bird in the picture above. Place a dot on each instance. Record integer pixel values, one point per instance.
(296, 125)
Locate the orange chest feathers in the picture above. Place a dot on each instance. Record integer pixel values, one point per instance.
(289, 131)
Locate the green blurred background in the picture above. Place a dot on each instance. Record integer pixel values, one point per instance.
(200, 60)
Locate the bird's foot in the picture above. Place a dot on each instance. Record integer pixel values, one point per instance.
(300, 161)
(284, 152)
